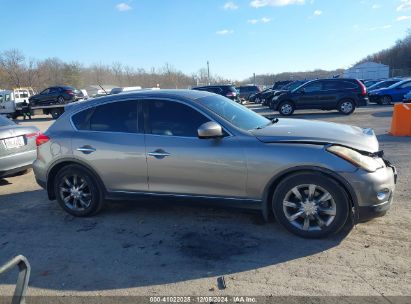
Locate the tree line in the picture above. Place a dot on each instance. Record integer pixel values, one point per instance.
(18, 71)
(397, 57)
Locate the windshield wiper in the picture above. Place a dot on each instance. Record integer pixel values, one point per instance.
(272, 121)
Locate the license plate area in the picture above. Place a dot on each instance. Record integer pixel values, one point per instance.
(13, 142)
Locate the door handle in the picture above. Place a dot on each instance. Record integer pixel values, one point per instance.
(159, 154)
(86, 149)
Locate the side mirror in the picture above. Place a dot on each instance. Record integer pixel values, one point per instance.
(210, 129)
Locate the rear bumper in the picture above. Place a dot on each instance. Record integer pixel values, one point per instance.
(14, 163)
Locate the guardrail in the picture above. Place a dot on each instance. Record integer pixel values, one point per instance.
(23, 279)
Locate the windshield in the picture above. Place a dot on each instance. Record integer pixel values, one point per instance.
(5, 121)
(396, 84)
(236, 114)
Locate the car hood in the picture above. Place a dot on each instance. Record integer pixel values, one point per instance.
(318, 132)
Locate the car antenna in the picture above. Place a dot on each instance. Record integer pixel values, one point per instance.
(102, 88)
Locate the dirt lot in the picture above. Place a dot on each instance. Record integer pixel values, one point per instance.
(169, 248)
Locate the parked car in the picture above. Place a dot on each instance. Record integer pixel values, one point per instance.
(56, 95)
(228, 91)
(339, 94)
(287, 88)
(246, 91)
(263, 96)
(279, 84)
(369, 83)
(394, 93)
(384, 84)
(313, 176)
(407, 97)
(256, 98)
(17, 147)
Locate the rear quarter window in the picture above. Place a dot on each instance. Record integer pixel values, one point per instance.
(81, 120)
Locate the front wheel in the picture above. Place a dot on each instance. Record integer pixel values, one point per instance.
(346, 107)
(77, 192)
(286, 108)
(310, 205)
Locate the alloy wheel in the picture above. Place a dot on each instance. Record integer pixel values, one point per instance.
(309, 207)
(346, 107)
(75, 192)
(286, 109)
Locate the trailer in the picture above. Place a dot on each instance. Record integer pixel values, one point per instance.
(13, 109)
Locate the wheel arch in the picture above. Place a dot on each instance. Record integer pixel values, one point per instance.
(276, 179)
(64, 163)
(347, 98)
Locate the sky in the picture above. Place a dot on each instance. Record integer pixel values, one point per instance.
(238, 37)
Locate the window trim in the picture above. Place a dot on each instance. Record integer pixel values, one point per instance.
(145, 112)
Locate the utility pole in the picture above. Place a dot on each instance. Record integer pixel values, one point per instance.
(208, 72)
(254, 78)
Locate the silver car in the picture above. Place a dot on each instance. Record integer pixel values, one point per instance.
(17, 147)
(313, 176)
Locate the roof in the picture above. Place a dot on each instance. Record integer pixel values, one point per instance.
(188, 95)
(369, 64)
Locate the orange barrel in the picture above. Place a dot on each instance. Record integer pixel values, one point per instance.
(401, 120)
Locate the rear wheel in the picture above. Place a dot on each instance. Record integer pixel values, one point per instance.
(286, 108)
(346, 106)
(56, 113)
(310, 205)
(77, 192)
(61, 100)
(386, 100)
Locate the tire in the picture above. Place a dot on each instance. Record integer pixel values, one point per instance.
(61, 100)
(77, 191)
(55, 113)
(323, 218)
(386, 100)
(286, 108)
(346, 106)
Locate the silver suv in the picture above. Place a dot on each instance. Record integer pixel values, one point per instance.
(313, 176)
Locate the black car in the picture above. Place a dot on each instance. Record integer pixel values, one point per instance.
(260, 96)
(343, 95)
(228, 91)
(285, 89)
(246, 91)
(56, 95)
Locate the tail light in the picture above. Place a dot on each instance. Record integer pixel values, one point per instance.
(231, 94)
(41, 139)
(363, 88)
(70, 92)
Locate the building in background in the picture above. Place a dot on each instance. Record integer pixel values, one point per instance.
(368, 70)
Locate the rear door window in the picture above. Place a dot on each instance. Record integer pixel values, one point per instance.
(111, 117)
(313, 87)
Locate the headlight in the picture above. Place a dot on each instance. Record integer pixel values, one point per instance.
(366, 162)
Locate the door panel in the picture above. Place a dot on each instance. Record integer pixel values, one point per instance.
(119, 158)
(109, 141)
(187, 164)
(212, 167)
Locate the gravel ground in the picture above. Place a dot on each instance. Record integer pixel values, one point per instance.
(158, 247)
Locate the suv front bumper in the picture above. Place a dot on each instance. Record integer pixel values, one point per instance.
(373, 190)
